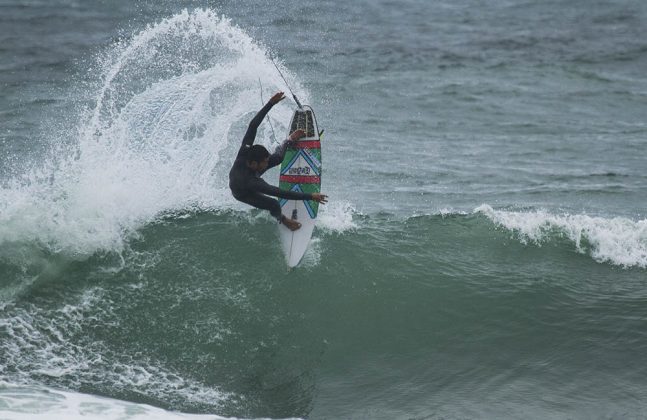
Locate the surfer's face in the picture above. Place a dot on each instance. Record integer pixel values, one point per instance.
(259, 166)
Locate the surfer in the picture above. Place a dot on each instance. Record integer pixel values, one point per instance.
(253, 160)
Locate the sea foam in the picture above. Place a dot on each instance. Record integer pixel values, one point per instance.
(20, 402)
(336, 217)
(38, 348)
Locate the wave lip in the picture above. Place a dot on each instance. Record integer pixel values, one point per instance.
(617, 240)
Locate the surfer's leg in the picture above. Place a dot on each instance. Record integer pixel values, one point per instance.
(264, 202)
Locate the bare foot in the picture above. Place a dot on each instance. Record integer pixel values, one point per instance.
(290, 224)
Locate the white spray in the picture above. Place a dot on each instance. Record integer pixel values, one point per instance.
(169, 112)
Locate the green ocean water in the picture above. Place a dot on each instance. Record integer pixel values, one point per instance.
(483, 254)
(447, 307)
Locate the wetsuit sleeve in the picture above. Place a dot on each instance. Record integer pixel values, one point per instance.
(258, 185)
(250, 135)
(277, 157)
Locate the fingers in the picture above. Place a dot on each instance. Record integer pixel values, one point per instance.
(297, 134)
(322, 198)
(278, 97)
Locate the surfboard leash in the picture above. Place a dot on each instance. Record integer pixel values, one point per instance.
(286, 84)
(263, 103)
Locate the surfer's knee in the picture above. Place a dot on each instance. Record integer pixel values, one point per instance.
(275, 210)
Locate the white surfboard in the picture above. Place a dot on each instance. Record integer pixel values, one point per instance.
(300, 171)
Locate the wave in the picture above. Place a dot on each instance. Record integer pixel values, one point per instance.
(617, 241)
(187, 322)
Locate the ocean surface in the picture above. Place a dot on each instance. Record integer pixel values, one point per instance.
(483, 254)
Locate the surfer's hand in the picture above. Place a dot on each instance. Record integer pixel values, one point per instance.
(296, 135)
(320, 198)
(278, 97)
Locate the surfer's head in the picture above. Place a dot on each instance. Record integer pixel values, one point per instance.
(257, 158)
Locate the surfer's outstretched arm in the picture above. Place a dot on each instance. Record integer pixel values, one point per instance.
(258, 185)
(250, 135)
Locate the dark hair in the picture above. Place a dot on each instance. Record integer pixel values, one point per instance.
(256, 153)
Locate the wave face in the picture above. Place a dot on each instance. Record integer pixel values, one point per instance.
(182, 320)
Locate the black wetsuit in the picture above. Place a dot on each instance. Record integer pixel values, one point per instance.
(246, 184)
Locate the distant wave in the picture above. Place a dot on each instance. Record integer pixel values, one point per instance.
(616, 240)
